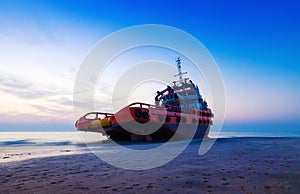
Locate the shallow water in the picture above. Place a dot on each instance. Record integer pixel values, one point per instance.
(15, 146)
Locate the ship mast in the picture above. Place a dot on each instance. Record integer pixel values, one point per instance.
(180, 73)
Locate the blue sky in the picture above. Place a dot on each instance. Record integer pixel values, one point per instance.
(255, 43)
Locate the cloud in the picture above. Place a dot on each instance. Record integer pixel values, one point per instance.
(33, 102)
(21, 89)
(62, 101)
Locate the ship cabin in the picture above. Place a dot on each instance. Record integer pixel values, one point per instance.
(183, 96)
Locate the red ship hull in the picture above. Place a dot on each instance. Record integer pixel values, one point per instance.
(164, 133)
(144, 122)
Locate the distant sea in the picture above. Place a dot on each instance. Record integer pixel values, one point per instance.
(74, 139)
(16, 146)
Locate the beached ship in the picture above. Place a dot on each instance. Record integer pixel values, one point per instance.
(179, 113)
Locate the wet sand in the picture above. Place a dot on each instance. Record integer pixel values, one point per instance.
(233, 165)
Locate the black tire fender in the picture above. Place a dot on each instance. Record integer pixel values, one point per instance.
(146, 115)
(138, 113)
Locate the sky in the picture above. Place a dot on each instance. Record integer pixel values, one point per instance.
(43, 43)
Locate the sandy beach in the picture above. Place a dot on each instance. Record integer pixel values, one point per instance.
(233, 165)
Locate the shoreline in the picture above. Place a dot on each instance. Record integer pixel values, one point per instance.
(239, 165)
(50, 150)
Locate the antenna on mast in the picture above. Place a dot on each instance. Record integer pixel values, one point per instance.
(180, 73)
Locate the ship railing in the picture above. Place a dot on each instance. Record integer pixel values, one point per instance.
(172, 108)
(142, 105)
(169, 108)
(87, 115)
